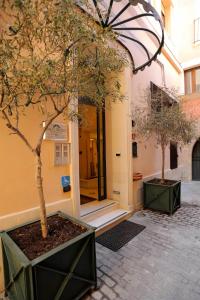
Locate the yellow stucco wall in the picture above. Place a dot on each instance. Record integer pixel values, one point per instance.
(18, 191)
(18, 194)
(17, 173)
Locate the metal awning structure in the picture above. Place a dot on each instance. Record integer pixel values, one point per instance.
(137, 25)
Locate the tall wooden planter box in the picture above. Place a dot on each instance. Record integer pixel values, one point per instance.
(162, 197)
(66, 272)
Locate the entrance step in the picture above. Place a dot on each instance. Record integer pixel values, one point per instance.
(95, 209)
(109, 220)
(103, 215)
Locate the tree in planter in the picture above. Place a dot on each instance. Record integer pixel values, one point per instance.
(162, 117)
(50, 53)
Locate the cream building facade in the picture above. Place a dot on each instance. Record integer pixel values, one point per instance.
(188, 44)
(98, 156)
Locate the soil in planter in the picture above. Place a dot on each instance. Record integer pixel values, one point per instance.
(30, 241)
(166, 181)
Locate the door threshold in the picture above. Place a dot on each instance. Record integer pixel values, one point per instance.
(94, 206)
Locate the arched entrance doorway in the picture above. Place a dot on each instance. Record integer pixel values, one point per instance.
(196, 161)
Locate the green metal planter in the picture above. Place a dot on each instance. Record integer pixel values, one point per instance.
(64, 273)
(165, 198)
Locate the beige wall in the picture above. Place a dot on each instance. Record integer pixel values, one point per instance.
(189, 54)
(17, 185)
(120, 169)
(18, 195)
(187, 12)
(179, 35)
(118, 128)
(148, 161)
(167, 70)
(191, 105)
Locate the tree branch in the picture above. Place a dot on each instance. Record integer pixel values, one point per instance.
(2, 96)
(54, 104)
(48, 123)
(17, 131)
(45, 95)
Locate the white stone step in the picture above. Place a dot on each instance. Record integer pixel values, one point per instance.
(108, 218)
(95, 209)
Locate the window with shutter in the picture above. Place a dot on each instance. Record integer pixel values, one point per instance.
(192, 80)
(173, 156)
(197, 30)
(160, 97)
(188, 82)
(134, 149)
(62, 154)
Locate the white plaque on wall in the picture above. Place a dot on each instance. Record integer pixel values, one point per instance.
(56, 131)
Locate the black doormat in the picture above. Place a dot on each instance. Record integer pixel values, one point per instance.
(120, 235)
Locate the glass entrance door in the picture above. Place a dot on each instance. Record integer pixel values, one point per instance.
(91, 152)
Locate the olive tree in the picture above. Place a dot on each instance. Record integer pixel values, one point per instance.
(51, 52)
(163, 118)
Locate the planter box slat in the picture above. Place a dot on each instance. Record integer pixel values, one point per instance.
(66, 272)
(165, 198)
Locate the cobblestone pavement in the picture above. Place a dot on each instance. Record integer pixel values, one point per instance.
(191, 192)
(162, 262)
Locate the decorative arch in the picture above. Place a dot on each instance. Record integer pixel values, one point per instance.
(113, 14)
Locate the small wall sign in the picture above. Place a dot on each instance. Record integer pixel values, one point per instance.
(56, 131)
(65, 181)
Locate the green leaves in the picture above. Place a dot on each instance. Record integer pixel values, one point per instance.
(50, 54)
(163, 118)
(51, 46)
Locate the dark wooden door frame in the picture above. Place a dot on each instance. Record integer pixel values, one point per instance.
(173, 156)
(100, 119)
(101, 156)
(196, 161)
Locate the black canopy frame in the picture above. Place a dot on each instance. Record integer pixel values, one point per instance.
(114, 22)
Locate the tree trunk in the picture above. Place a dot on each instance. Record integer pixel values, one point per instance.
(163, 164)
(39, 179)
